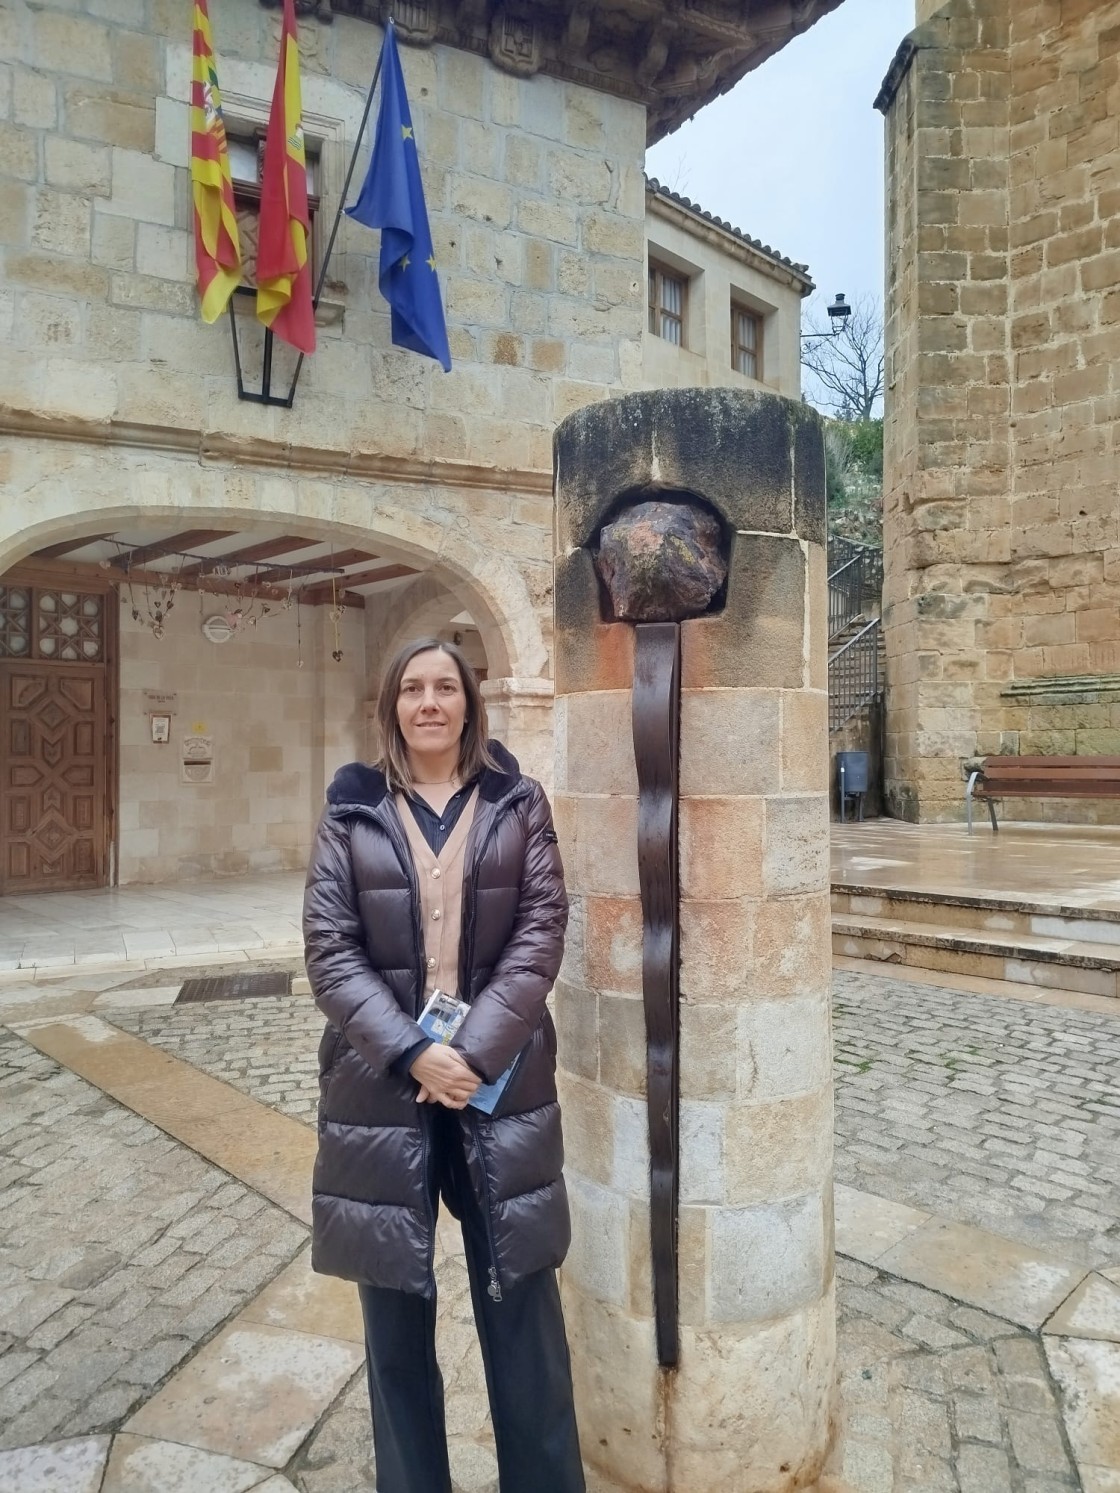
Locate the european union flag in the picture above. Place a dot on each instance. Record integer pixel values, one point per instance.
(392, 199)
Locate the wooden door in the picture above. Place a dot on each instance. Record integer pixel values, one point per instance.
(54, 759)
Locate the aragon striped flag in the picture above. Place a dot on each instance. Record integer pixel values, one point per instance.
(217, 247)
(283, 271)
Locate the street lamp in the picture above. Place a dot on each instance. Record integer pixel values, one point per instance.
(838, 314)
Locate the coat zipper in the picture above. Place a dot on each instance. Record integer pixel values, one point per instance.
(494, 1289)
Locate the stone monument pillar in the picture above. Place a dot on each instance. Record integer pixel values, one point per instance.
(715, 1370)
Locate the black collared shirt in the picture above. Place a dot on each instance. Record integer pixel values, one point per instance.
(437, 828)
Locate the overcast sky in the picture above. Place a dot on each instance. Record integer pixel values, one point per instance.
(794, 154)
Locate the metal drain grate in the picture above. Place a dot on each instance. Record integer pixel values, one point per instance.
(235, 987)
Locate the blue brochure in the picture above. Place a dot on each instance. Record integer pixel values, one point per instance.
(440, 1019)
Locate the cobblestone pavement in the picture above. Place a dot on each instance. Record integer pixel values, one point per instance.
(995, 1112)
(120, 1252)
(936, 1395)
(265, 1047)
(991, 1111)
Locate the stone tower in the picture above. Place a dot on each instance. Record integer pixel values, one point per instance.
(1002, 328)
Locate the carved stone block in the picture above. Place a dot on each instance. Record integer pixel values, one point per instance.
(515, 44)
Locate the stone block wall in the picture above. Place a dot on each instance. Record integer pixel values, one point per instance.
(534, 187)
(279, 732)
(537, 201)
(1000, 507)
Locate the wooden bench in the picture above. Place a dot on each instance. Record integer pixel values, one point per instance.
(1041, 777)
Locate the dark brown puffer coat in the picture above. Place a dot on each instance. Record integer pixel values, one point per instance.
(373, 1219)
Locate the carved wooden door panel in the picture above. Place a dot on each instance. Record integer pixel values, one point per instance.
(54, 752)
(54, 775)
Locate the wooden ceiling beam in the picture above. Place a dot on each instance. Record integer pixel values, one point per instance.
(268, 549)
(322, 590)
(224, 586)
(175, 545)
(347, 557)
(55, 551)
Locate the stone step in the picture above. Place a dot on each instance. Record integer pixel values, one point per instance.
(982, 912)
(1021, 958)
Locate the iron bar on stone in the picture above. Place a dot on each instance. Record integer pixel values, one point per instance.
(661, 561)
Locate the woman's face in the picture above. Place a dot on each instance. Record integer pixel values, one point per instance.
(431, 705)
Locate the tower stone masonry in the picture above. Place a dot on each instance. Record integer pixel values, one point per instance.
(1001, 521)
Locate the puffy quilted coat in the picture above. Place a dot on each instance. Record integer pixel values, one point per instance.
(376, 1170)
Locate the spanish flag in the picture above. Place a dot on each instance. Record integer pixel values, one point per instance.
(283, 272)
(217, 248)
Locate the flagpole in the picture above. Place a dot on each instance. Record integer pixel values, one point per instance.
(346, 183)
(338, 212)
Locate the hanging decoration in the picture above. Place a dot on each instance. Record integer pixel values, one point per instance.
(246, 613)
(299, 629)
(335, 615)
(158, 598)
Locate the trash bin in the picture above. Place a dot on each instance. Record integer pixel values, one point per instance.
(853, 776)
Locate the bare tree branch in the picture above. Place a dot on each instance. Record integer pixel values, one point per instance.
(846, 372)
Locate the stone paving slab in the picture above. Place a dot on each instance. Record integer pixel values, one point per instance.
(868, 1226)
(120, 1252)
(975, 1266)
(302, 1301)
(138, 1464)
(1088, 1374)
(272, 1045)
(271, 1153)
(253, 1393)
(1093, 1311)
(75, 1466)
(997, 1275)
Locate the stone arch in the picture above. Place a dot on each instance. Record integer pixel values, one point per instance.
(65, 491)
(426, 605)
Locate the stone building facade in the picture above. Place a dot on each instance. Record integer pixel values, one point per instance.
(1001, 514)
(120, 428)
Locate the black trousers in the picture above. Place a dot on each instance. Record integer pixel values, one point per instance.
(524, 1353)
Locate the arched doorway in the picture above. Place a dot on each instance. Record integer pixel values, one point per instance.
(202, 736)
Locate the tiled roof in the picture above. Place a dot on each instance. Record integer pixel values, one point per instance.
(694, 207)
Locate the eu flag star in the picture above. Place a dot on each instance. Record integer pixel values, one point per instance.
(406, 132)
(431, 261)
(405, 262)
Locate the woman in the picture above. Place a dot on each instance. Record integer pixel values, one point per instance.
(438, 869)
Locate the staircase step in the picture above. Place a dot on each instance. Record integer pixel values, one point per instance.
(1022, 958)
(981, 913)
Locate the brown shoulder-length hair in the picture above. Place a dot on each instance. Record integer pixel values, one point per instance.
(474, 751)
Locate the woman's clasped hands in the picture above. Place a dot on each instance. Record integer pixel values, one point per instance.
(444, 1077)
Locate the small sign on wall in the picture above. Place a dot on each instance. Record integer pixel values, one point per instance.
(161, 728)
(161, 702)
(198, 759)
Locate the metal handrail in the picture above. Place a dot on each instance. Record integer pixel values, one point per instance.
(845, 596)
(855, 580)
(854, 679)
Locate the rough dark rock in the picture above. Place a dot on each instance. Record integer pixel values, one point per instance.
(662, 561)
(755, 457)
